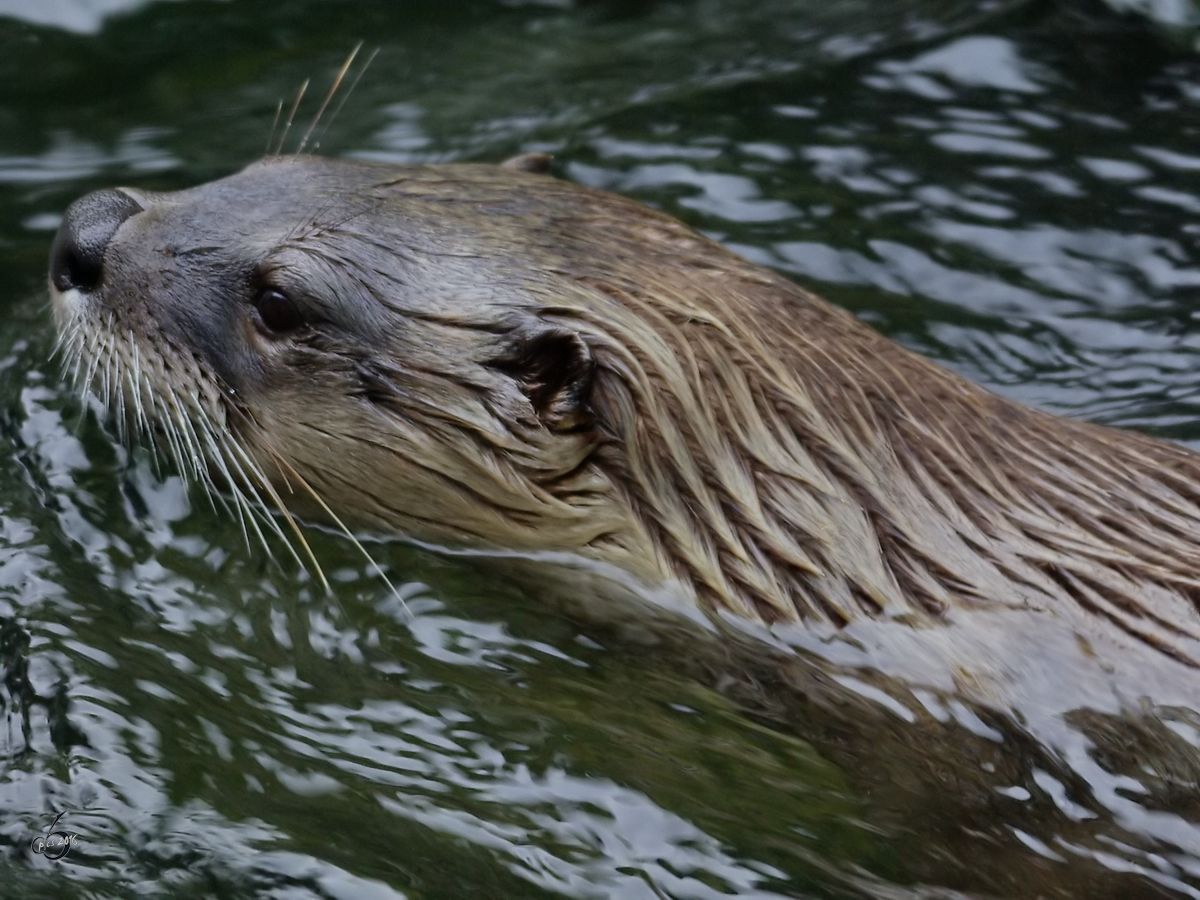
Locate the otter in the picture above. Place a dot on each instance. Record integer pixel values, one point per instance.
(491, 358)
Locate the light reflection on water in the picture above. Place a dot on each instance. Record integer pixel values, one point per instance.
(1009, 193)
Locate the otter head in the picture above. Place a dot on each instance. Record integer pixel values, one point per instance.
(365, 339)
(486, 357)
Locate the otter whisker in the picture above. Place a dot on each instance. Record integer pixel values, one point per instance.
(192, 441)
(217, 456)
(345, 531)
(333, 88)
(164, 436)
(274, 126)
(71, 348)
(65, 340)
(188, 437)
(76, 350)
(90, 373)
(105, 382)
(143, 422)
(169, 432)
(271, 492)
(134, 387)
(249, 502)
(113, 372)
(202, 431)
(122, 425)
(238, 505)
(346, 95)
(193, 458)
(291, 116)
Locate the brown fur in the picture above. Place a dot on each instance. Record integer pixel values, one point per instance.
(796, 465)
(556, 368)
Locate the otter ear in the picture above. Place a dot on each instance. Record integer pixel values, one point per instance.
(555, 370)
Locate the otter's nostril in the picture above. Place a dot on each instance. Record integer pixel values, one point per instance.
(77, 256)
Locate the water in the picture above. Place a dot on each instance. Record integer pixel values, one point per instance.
(1010, 188)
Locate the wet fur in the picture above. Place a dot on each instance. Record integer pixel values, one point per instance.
(499, 359)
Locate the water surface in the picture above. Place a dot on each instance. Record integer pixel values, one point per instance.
(1010, 187)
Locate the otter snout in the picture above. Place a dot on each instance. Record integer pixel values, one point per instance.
(77, 255)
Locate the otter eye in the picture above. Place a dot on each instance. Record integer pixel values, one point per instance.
(276, 312)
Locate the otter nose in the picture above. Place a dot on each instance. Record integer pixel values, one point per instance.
(77, 255)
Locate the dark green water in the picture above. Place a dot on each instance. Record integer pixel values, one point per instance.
(1009, 187)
